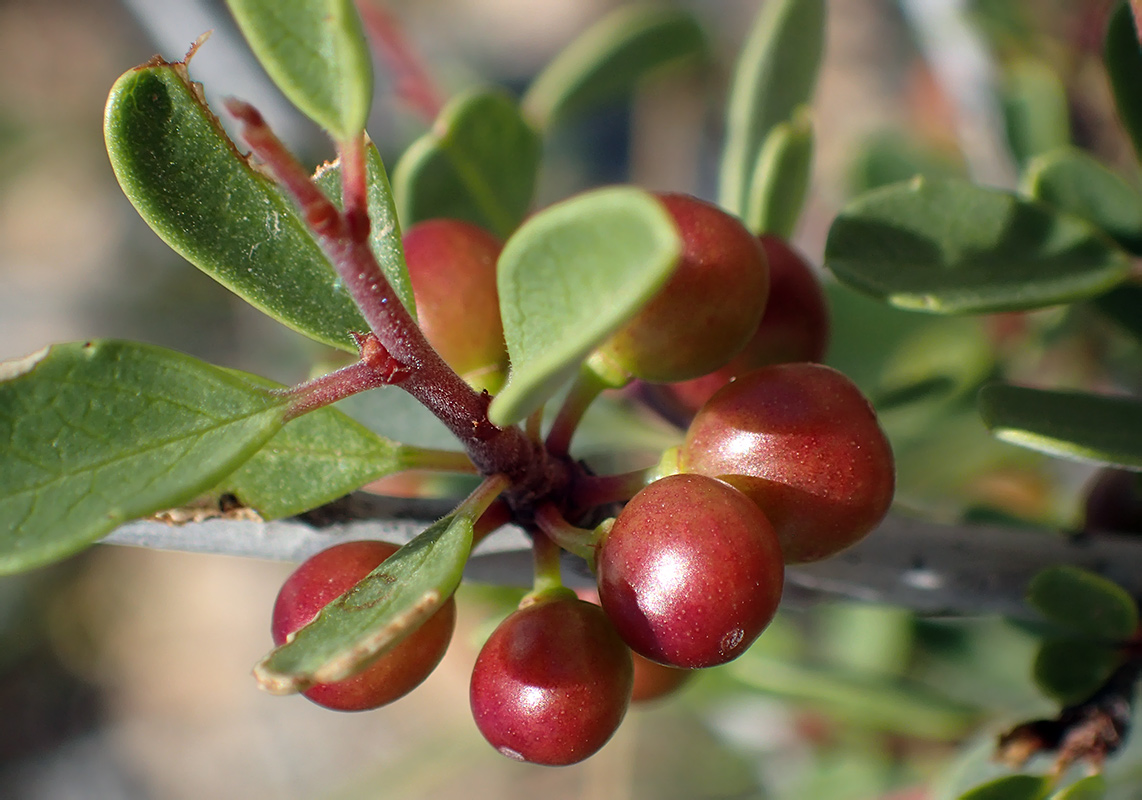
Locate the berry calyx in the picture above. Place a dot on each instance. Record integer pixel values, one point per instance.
(452, 269)
(690, 572)
(325, 577)
(553, 681)
(709, 307)
(804, 444)
(794, 327)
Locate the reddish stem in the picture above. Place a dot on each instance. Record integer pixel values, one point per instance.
(411, 80)
(423, 373)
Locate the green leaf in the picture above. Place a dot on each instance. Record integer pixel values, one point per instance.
(775, 74)
(948, 246)
(1035, 110)
(1087, 604)
(1122, 53)
(384, 228)
(609, 59)
(1010, 787)
(780, 179)
(316, 458)
(1123, 305)
(315, 51)
(1076, 425)
(478, 163)
(100, 433)
(1092, 787)
(570, 277)
(1072, 180)
(376, 615)
(1070, 670)
(889, 156)
(188, 183)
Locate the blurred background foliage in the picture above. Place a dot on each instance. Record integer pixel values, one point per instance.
(125, 673)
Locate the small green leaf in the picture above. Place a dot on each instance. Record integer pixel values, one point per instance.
(316, 458)
(889, 156)
(1123, 305)
(1035, 110)
(775, 74)
(948, 246)
(188, 183)
(1010, 787)
(376, 615)
(1092, 787)
(1122, 53)
(1076, 425)
(780, 179)
(611, 58)
(1087, 604)
(384, 227)
(100, 433)
(478, 163)
(316, 53)
(569, 278)
(1070, 670)
(1072, 180)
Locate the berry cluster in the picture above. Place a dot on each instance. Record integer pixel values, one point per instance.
(783, 461)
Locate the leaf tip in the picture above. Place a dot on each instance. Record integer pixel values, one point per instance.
(15, 367)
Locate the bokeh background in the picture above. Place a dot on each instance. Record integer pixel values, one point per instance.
(125, 673)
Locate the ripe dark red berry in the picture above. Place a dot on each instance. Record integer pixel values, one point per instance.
(1114, 502)
(691, 572)
(553, 682)
(710, 306)
(325, 577)
(805, 445)
(794, 328)
(452, 269)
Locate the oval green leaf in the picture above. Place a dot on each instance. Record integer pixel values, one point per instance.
(1035, 110)
(949, 246)
(100, 433)
(384, 227)
(1122, 53)
(1085, 427)
(776, 73)
(569, 278)
(1071, 670)
(1010, 787)
(187, 181)
(1083, 602)
(1092, 787)
(780, 179)
(1074, 181)
(609, 59)
(316, 53)
(376, 615)
(478, 163)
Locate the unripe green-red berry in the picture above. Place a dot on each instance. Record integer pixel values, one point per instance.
(805, 445)
(325, 577)
(709, 307)
(452, 269)
(690, 572)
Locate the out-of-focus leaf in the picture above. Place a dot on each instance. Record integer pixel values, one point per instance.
(780, 179)
(1085, 427)
(1071, 670)
(1092, 787)
(1087, 604)
(1123, 305)
(1122, 53)
(1010, 787)
(611, 58)
(954, 247)
(1035, 110)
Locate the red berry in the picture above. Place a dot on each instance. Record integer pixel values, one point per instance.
(330, 574)
(710, 306)
(452, 268)
(1114, 502)
(805, 445)
(795, 327)
(553, 682)
(691, 572)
